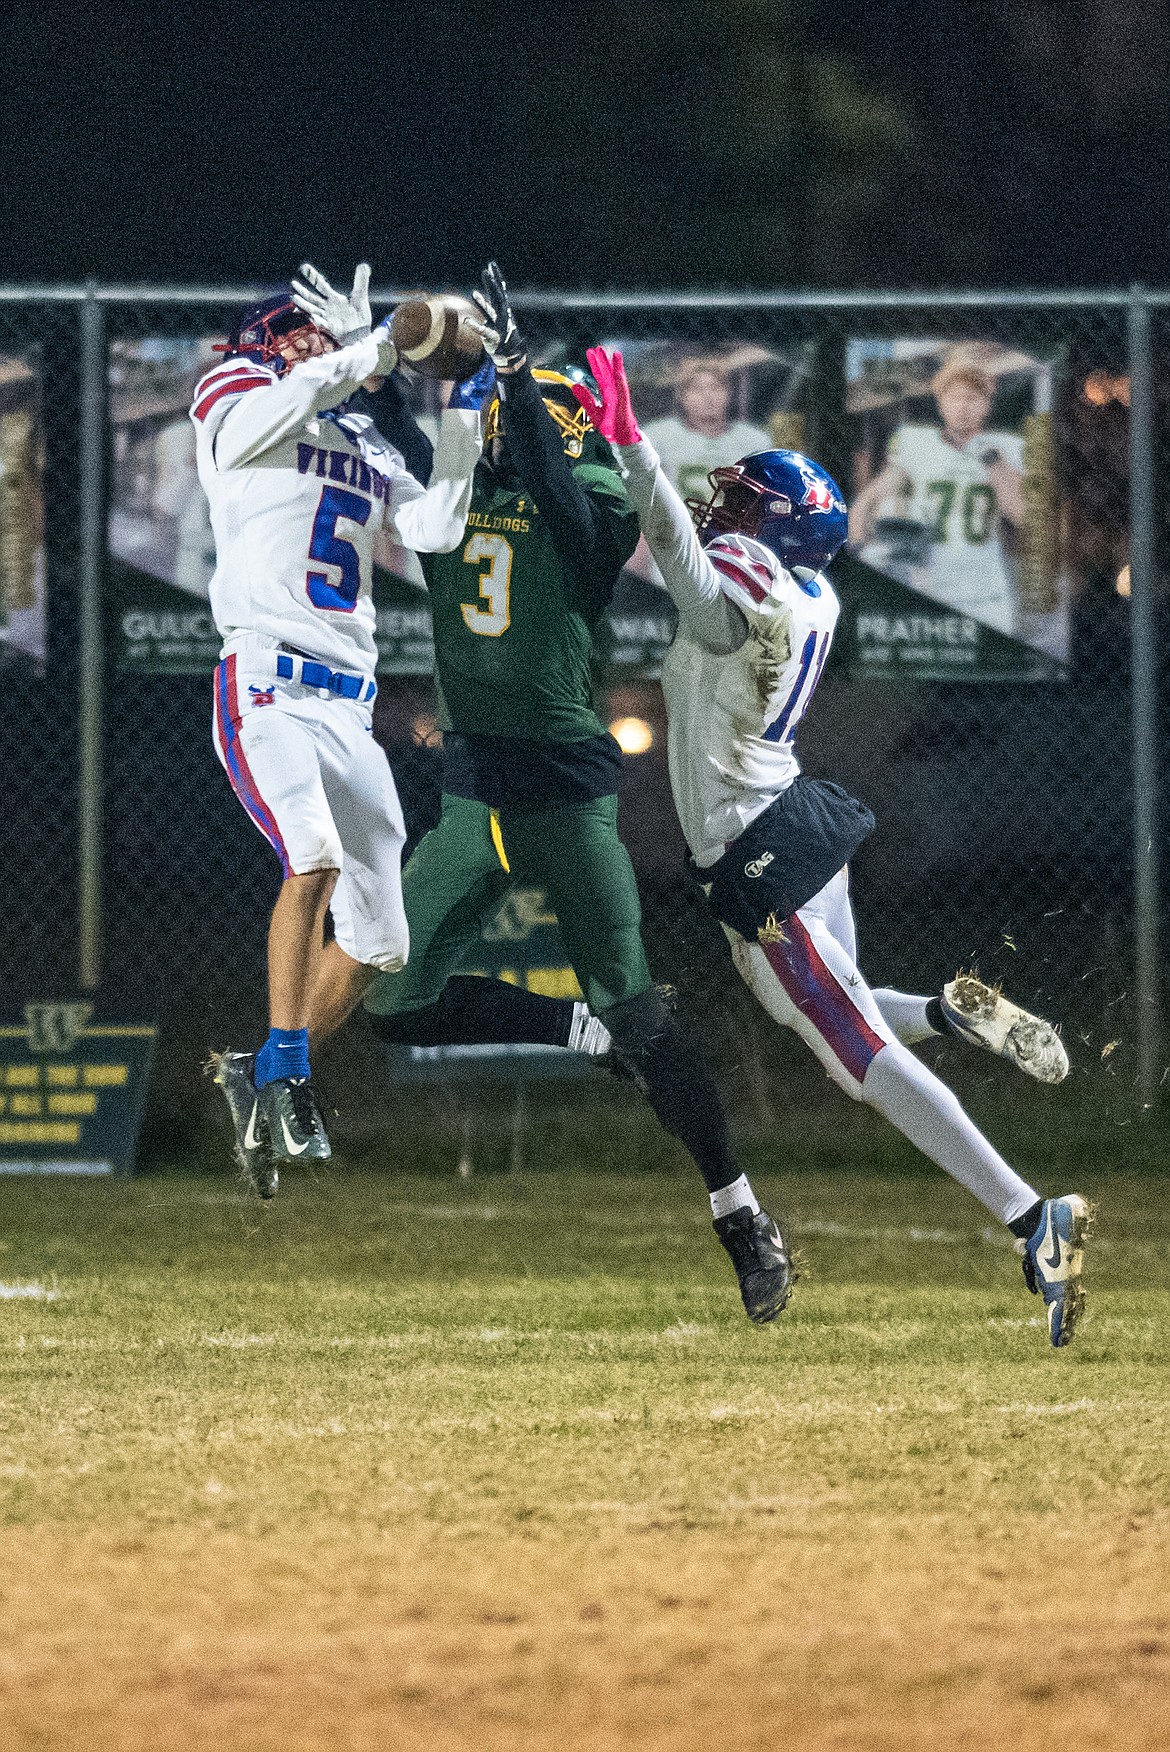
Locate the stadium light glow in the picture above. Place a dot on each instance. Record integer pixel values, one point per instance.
(1101, 387)
(632, 735)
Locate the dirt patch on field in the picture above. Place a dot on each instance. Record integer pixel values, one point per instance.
(659, 1637)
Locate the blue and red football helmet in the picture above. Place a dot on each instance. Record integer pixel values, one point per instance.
(260, 331)
(780, 498)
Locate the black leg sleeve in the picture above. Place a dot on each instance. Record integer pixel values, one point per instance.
(677, 1080)
(472, 1011)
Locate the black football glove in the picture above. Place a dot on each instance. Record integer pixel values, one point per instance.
(501, 337)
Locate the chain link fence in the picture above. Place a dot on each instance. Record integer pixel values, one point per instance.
(39, 546)
(993, 738)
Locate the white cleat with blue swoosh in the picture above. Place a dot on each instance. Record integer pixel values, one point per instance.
(1053, 1258)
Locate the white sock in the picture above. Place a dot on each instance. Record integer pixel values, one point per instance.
(734, 1198)
(586, 1033)
(930, 1115)
(905, 1015)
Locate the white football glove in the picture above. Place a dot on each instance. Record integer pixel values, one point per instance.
(346, 319)
(387, 351)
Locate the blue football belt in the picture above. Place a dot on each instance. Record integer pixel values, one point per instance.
(348, 687)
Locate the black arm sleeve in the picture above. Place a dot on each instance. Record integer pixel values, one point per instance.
(576, 522)
(390, 412)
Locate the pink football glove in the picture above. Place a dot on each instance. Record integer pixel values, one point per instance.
(613, 416)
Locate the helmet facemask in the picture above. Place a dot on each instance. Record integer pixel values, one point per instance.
(737, 506)
(803, 531)
(262, 333)
(564, 410)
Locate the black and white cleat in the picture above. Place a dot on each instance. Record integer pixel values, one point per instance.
(761, 1259)
(232, 1072)
(292, 1119)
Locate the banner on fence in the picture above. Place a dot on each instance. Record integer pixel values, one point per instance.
(953, 513)
(22, 514)
(72, 1089)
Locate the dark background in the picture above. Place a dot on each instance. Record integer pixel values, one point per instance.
(705, 142)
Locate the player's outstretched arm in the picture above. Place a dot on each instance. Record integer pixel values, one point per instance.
(391, 413)
(432, 519)
(670, 535)
(255, 422)
(578, 521)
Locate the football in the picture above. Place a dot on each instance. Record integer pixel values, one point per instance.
(437, 336)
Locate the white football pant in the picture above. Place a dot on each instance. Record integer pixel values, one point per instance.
(809, 981)
(305, 766)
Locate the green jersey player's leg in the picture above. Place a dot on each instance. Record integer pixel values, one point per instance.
(453, 882)
(574, 853)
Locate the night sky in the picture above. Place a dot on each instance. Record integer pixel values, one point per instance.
(721, 142)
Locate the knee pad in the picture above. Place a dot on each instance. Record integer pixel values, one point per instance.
(676, 1079)
(651, 1045)
(371, 942)
(314, 856)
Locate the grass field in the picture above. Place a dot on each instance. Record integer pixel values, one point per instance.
(404, 1462)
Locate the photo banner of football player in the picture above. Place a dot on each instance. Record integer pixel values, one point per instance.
(702, 408)
(22, 515)
(953, 569)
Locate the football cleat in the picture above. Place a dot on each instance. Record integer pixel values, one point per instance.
(759, 1254)
(292, 1118)
(232, 1072)
(1052, 1262)
(982, 1015)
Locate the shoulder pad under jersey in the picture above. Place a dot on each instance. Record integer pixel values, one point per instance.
(750, 574)
(235, 377)
(596, 478)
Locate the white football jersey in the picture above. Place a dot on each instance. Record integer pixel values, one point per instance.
(732, 718)
(732, 703)
(949, 493)
(297, 498)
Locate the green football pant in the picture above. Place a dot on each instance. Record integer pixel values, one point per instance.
(459, 873)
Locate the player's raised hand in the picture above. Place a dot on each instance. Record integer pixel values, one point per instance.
(346, 319)
(387, 351)
(501, 337)
(474, 391)
(613, 415)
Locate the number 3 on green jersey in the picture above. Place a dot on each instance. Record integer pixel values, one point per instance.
(492, 614)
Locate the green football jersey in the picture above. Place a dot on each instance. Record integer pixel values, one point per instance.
(513, 620)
